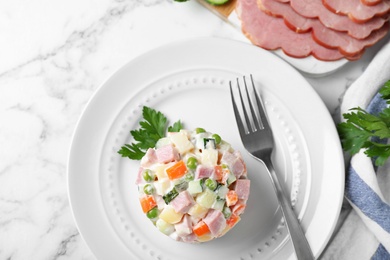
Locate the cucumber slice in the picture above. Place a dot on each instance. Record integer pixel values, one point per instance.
(217, 2)
(170, 196)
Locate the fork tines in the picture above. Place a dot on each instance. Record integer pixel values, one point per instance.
(250, 114)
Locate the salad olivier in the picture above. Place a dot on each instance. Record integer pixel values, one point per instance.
(192, 185)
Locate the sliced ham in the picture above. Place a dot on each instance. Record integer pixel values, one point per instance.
(316, 9)
(160, 202)
(203, 172)
(239, 169)
(139, 178)
(239, 208)
(242, 188)
(347, 45)
(236, 166)
(235, 163)
(356, 10)
(271, 33)
(191, 238)
(183, 202)
(149, 158)
(216, 222)
(184, 227)
(292, 19)
(167, 153)
(371, 2)
(228, 157)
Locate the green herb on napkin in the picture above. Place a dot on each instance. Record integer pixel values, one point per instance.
(151, 130)
(361, 129)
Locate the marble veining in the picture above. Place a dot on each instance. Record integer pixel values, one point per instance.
(54, 55)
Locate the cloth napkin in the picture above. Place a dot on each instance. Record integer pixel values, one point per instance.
(367, 187)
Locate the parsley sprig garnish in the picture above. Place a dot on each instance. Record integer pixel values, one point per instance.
(363, 130)
(152, 129)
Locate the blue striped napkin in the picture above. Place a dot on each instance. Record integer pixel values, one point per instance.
(367, 188)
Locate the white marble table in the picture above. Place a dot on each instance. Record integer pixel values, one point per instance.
(53, 56)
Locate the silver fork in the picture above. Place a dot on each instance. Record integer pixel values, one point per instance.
(257, 138)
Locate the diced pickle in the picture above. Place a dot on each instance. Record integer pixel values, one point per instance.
(170, 196)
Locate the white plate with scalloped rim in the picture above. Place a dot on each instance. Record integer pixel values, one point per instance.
(188, 80)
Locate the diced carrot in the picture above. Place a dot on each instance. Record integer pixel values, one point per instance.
(231, 198)
(233, 220)
(147, 203)
(218, 173)
(201, 229)
(177, 170)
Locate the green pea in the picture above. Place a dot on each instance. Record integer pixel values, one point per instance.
(211, 184)
(153, 213)
(226, 212)
(147, 175)
(148, 189)
(217, 138)
(192, 162)
(189, 176)
(200, 130)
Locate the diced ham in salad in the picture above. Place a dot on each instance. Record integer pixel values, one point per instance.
(193, 186)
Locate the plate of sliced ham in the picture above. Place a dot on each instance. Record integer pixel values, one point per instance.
(189, 80)
(317, 37)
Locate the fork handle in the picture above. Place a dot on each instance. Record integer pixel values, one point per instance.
(298, 238)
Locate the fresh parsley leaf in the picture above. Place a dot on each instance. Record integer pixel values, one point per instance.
(363, 130)
(385, 91)
(380, 152)
(385, 116)
(131, 151)
(177, 126)
(375, 125)
(155, 123)
(152, 128)
(145, 139)
(352, 137)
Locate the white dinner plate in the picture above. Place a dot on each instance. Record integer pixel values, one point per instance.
(188, 80)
